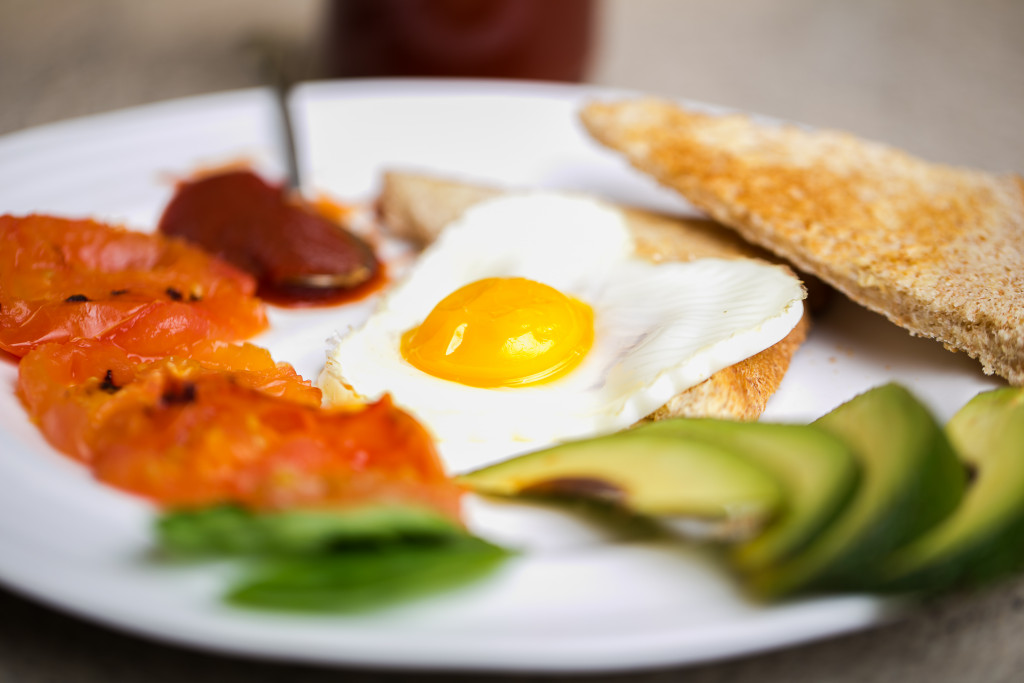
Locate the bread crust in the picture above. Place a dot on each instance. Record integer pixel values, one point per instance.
(417, 207)
(939, 250)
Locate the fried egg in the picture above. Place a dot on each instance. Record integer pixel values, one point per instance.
(530, 321)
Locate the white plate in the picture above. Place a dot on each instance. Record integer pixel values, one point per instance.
(578, 598)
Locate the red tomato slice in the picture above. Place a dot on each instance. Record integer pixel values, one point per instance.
(62, 280)
(227, 425)
(212, 441)
(71, 389)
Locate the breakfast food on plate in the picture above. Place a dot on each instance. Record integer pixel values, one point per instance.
(981, 541)
(327, 509)
(531, 319)
(910, 481)
(261, 452)
(418, 207)
(230, 427)
(817, 472)
(687, 481)
(64, 279)
(131, 376)
(936, 249)
(334, 560)
(226, 425)
(297, 254)
(872, 496)
(71, 389)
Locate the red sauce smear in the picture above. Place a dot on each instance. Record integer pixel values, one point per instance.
(298, 256)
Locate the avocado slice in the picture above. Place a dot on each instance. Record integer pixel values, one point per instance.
(653, 475)
(818, 473)
(910, 480)
(982, 538)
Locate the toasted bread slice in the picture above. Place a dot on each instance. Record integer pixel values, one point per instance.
(936, 249)
(417, 207)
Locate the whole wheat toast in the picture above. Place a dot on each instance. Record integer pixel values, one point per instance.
(417, 207)
(938, 250)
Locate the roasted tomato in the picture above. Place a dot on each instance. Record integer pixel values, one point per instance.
(208, 441)
(71, 389)
(227, 425)
(155, 296)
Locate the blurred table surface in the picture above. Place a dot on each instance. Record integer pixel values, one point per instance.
(941, 78)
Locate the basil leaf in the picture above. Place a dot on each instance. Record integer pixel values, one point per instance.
(360, 579)
(232, 530)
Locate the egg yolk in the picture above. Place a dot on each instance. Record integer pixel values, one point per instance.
(501, 332)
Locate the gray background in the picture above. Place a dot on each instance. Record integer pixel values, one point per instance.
(942, 78)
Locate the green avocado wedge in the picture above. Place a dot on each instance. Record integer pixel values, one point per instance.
(910, 480)
(654, 475)
(984, 538)
(818, 473)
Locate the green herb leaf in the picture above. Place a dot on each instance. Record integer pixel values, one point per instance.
(232, 530)
(361, 579)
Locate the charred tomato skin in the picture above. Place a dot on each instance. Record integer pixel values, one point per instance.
(70, 390)
(227, 425)
(63, 279)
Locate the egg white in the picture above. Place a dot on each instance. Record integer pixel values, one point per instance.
(659, 329)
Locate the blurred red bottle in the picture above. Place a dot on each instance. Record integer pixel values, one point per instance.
(527, 39)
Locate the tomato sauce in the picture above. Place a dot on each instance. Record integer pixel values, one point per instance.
(298, 256)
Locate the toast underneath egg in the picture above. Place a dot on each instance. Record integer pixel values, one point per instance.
(938, 250)
(417, 207)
